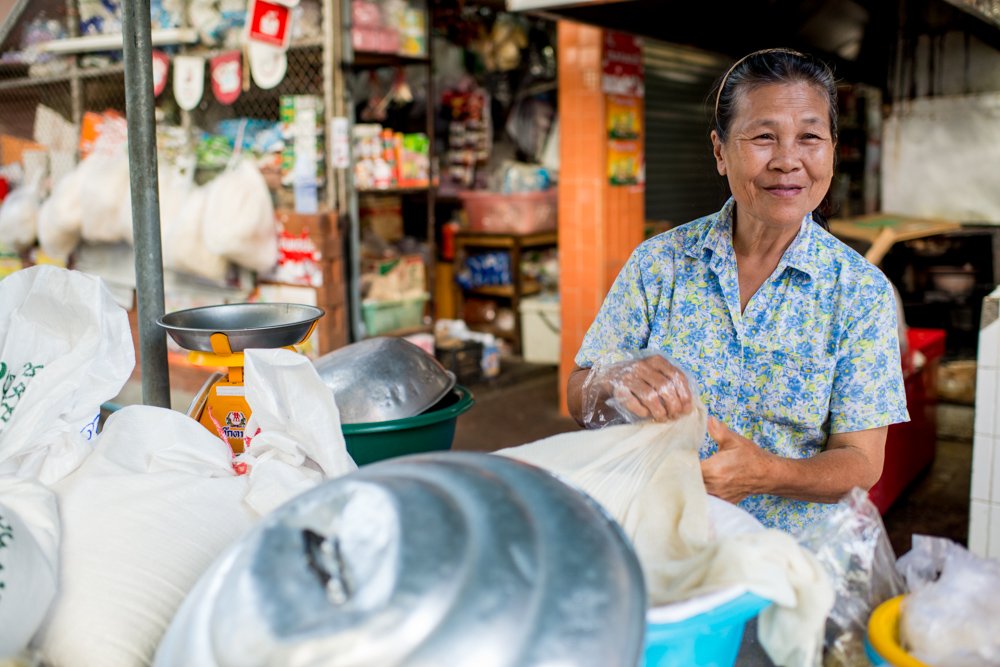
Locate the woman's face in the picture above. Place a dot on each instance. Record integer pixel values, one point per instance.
(779, 154)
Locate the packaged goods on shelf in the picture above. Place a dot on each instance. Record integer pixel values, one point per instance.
(485, 269)
(302, 130)
(392, 26)
(385, 159)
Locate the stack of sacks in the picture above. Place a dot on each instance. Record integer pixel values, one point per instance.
(647, 476)
(160, 499)
(101, 537)
(65, 348)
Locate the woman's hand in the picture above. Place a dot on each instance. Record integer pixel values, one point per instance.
(651, 388)
(736, 470)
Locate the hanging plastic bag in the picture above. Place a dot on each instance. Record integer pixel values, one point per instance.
(60, 219)
(65, 348)
(183, 249)
(29, 550)
(238, 219)
(107, 193)
(176, 184)
(611, 391)
(160, 499)
(19, 218)
(952, 613)
(852, 544)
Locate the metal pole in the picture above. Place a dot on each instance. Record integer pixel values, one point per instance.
(139, 112)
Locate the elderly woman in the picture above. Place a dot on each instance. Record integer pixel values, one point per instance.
(788, 334)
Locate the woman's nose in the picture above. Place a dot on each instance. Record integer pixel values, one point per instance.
(786, 157)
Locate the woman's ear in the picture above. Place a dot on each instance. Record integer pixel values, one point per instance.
(720, 160)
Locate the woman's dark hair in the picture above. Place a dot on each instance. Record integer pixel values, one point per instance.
(770, 66)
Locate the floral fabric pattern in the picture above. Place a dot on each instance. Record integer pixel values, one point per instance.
(815, 351)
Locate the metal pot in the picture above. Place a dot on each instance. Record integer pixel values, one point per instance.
(435, 559)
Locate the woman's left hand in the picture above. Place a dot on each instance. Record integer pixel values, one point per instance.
(737, 468)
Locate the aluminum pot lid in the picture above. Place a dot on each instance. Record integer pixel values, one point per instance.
(433, 559)
(382, 379)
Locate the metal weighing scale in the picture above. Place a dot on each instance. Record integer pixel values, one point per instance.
(216, 336)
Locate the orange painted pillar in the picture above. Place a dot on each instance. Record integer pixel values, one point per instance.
(599, 224)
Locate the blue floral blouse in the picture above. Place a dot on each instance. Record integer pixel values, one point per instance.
(815, 351)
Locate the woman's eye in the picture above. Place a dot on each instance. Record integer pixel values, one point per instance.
(764, 137)
(811, 137)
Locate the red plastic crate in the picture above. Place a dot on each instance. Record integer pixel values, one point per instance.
(516, 213)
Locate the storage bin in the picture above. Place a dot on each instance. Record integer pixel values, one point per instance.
(384, 316)
(516, 213)
(464, 359)
(540, 329)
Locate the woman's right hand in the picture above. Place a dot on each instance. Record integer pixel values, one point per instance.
(651, 388)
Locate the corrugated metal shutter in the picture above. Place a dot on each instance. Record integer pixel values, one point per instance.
(681, 181)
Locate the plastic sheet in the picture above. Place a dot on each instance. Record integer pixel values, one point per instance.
(952, 613)
(852, 544)
(637, 385)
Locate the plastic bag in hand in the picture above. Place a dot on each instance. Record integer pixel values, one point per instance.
(852, 544)
(611, 385)
(952, 614)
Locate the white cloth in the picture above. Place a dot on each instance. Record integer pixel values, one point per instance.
(647, 476)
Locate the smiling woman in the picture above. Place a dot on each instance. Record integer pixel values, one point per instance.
(788, 334)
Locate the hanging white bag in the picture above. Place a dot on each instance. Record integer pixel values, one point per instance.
(183, 249)
(238, 219)
(65, 348)
(60, 219)
(19, 218)
(29, 550)
(159, 500)
(107, 183)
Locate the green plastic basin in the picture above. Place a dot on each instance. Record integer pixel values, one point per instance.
(433, 430)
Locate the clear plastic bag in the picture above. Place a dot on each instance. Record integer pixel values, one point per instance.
(952, 614)
(634, 386)
(852, 544)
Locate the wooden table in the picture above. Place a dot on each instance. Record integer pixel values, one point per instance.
(882, 230)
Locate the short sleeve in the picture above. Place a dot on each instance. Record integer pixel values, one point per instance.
(868, 390)
(623, 322)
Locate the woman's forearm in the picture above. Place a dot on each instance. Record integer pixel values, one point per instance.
(824, 478)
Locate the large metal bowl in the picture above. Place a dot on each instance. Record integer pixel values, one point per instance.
(454, 558)
(246, 325)
(383, 378)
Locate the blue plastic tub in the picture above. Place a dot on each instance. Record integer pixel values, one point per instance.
(709, 639)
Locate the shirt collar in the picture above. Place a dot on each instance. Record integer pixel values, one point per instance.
(718, 239)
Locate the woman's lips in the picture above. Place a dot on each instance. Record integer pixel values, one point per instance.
(785, 190)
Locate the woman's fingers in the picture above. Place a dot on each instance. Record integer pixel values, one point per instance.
(669, 383)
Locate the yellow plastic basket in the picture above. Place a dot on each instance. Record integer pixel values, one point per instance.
(883, 634)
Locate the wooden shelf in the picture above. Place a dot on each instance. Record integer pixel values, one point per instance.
(370, 60)
(409, 331)
(491, 240)
(507, 291)
(394, 191)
